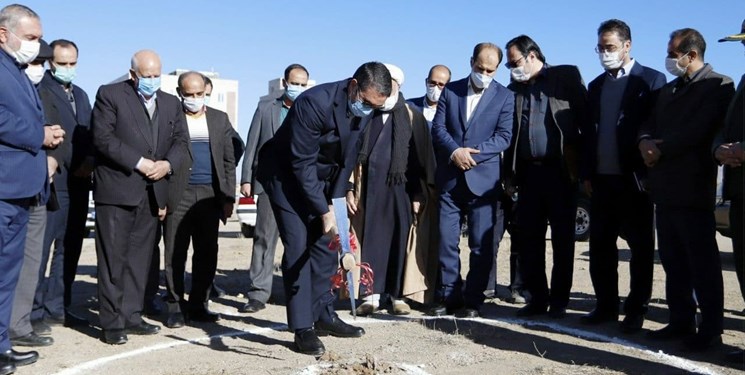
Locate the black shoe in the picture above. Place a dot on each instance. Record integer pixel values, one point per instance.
(631, 323)
(54, 320)
(151, 307)
(557, 312)
(143, 329)
(33, 340)
(738, 356)
(7, 368)
(532, 309)
(307, 342)
(41, 328)
(467, 313)
(598, 316)
(175, 320)
(203, 316)
(72, 320)
(443, 309)
(15, 358)
(115, 336)
(670, 332)
(337, 327)
(252, 306)
(216, 292)
(702, 342)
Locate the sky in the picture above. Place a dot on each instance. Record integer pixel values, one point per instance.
(253, 41)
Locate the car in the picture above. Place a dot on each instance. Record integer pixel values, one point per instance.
(582, 221)
(246, 212)
(90, 220)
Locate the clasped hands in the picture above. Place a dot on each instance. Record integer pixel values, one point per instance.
(154, 170)
(461, 158)
(650, 152)
(53, 136)
(730, 154)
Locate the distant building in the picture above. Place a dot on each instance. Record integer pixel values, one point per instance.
(224, 91)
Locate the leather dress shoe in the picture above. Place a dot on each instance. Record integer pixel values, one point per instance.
(701, 342)
(670, 332)
(7, 368)
(143, 329)
(631, 323)
(15, 358)
(41, 328)
(307, 342)
(115, 336)
(216, 292)
(337, 327)
(598, 316)
(252, 306)
(203, 316)
(32, 339)
(738, 356)
(175, 320)
(557, 312)
(443, 309)
(467, 312)
(532, 309)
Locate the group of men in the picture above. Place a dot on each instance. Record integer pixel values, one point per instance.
(629, 139)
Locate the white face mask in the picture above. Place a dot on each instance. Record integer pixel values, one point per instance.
(610, 60)
(481, 81)
(518, 74)
(193, 105)
(35, 73)
(27, 52)
(674, 68)
(390, 102)
(433, 93)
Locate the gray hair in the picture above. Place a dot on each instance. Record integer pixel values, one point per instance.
(11, 14)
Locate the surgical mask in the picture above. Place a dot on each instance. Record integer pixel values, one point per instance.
(481, 81)
(148, 86)
(64, 74)
(193, 105)
(207, 99)
(610, 60)
(35, 73)
(518, 74)
(293, 91)
(390, 102)
(433, 93)
(673, 66)
(27, 52)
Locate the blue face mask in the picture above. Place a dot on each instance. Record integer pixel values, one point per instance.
(64, 74)
(359, 108)
(148, 86)
(293, 91)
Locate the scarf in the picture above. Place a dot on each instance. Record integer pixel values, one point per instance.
(400, 150)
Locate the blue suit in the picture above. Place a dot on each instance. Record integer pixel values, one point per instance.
(472, 193)
(23, 176)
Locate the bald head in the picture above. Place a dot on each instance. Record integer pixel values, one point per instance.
(146, 64)
(191, 82)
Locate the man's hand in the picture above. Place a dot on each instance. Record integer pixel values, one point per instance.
(462, 159)
(329, 223)
(730, 154)
(146, 165)
(650, 153)
(416, 206)
(588, 187)
(53, 136)
(86, 168)
(227, 211)
(159, 170)
(51, 168)
(246, 189)
(351, 203)
(162, 213)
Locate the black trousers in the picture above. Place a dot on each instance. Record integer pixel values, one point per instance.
(196, 219)
(690, 256)
(738, 247)
(618, 205)
(78, 189)
(124, 247)
(546, 195)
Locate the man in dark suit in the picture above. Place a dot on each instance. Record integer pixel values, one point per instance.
(306, 164)
(620, 100)
(550, 105)
(22, 136)
(471, 128)
(140, 136)
(268, 117)
(201, 194)
(68, 105)
(438, 77)
(675, 144)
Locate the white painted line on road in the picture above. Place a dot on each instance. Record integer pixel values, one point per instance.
(668, 359)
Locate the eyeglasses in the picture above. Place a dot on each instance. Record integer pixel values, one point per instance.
(607, 48)
(432, 83)
(513, 64)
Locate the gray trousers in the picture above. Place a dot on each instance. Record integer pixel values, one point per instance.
(20, 316)
(265, 239)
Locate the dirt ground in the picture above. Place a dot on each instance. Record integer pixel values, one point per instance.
(498, 343)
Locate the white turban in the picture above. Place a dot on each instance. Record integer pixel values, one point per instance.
(396, 73)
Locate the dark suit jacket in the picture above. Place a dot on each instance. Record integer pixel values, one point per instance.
(263, 127)
(686, 119)
(567, 99)
(638, 99)
(488, 130)
(24, 163)
(733, 131)
(312, 155)
(417, 103)
(57, 109)
(121, 136)
(223, 162)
